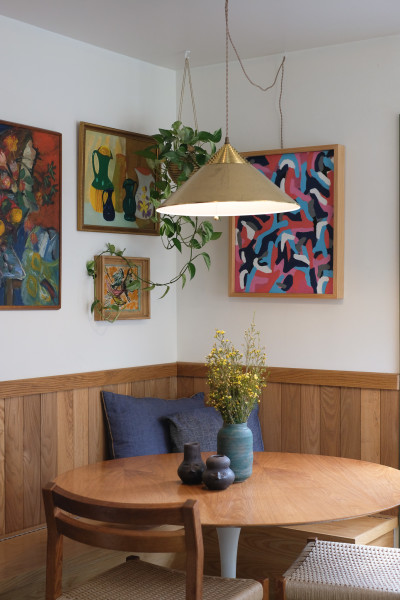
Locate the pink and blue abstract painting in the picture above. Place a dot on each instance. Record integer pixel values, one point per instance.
(297, 253)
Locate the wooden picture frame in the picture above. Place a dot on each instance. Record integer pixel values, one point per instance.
(110, 271)
(298, 254)
(114, 182)
(30, 217)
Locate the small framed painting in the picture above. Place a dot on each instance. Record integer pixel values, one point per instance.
(114, 182)
(298, 254)
(30, 217)
(114, 274)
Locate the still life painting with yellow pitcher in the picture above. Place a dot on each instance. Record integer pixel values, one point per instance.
(114, 182)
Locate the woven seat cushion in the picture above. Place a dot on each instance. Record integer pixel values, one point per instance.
(333, 571)
(139, 580)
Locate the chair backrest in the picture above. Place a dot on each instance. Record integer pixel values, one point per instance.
(125, 527)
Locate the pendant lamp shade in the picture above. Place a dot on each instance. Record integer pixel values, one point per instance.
(227, 186)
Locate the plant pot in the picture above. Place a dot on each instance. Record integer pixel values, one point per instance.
(236, 441)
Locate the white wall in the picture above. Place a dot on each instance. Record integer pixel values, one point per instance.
(347, 94)
(350, 95)
(52, 82)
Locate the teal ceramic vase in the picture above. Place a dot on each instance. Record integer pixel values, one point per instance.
(236, 442)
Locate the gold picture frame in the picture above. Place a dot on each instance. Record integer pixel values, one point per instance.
(114, 182)
(110, 290)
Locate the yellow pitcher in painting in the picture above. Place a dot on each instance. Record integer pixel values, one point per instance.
(101, 179)
(118, 181)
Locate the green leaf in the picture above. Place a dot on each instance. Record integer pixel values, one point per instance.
(134, 285)
(216, 235)
(201, 160)
(93, 306)
(195, 244)
(169, 227)
(90, 267)
(205, 136)
(166, 292)
(175, 125)
(183, 277)
(149, 288)
(207, 259)
(22, 173)
(208, 226)
(166, 133)
(159, 138)
(189, 220)
(191, 269)
(177, 244)
(216, 136)
(111, 248)
(113, 307)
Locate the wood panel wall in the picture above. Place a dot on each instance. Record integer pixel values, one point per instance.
(53, 424)
(355, 416)
(45, 433)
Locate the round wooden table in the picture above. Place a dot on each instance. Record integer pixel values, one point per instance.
(284, 489)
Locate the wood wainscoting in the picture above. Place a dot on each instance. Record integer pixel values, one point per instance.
(52, 424)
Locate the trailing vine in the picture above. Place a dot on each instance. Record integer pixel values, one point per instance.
(175, 155)
(131, 282)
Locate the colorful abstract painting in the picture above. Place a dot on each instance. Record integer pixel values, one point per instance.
(297, 254)
(114, 274)
(114, 182)
(30, 217)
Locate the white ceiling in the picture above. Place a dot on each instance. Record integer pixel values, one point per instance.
(160, 31)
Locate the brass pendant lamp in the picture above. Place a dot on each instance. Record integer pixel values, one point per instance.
(227, 185)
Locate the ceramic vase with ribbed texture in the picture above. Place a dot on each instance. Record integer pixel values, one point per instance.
(236, 441)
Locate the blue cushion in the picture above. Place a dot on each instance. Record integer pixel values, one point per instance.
(137, 426)
(202, 425)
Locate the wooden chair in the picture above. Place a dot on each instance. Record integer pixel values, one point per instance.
(334, 571)
(132, 528)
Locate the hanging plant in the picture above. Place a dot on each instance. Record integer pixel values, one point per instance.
(175, 155)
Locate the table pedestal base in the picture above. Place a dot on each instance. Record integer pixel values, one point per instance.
(228, 539)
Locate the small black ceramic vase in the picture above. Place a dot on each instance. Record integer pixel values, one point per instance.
(218, 475)
(191, 468)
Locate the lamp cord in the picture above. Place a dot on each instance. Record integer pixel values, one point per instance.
(186, 71)
(281, 69)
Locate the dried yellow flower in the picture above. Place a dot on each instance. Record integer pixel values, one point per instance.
(235, 387)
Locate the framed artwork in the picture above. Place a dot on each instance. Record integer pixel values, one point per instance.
(298, 254)
(114, 182)
(113, 274)
(30, 217)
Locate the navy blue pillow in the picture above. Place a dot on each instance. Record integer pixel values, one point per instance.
(137, 426)
(202, 425)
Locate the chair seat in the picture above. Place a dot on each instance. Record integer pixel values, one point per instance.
(139, 580)
(333, 571)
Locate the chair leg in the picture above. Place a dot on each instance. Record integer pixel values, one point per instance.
(279, 588)
(265, 584)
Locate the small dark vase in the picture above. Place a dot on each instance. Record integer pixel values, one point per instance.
(191, 468)
(108, 207)
(218, 475)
